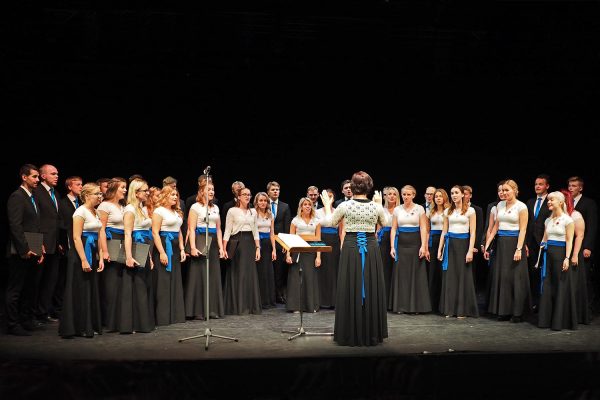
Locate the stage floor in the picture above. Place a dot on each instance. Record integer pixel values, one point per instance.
(260, 336)
(426, 356)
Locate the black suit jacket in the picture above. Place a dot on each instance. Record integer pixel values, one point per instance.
(66, 208)
(588, 209)
(283, 219)
(22, 217)
(50, 222)
(535, 227)
(478, 224)
(339, 201)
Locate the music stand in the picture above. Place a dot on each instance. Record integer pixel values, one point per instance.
(207, 332)
(294, 243)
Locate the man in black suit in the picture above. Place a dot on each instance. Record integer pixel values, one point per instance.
(312, 192)
(66, 207)
(429, 204)
(346, 193)
(538, 210)
(23, 216)
(589, 211)
(283, 220)
(468, 192)
(50, 224)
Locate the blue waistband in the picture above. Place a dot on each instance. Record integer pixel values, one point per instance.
(169, 236)
(408, 229)
(503, 232)
(141, 235)
(264, 235)
(431, 233)
(381, 232)
(447, 237)
(109, 231)
(200, 230)
(330, 230)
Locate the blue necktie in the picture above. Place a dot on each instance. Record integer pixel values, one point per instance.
(273, 208)
(538, 204)
(76, 202)
(53, 197)
(33, 202)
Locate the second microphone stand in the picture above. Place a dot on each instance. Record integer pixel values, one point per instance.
(207, 332)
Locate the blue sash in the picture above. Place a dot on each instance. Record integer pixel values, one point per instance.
(141, 235)
(556, 243)
(447, 242)
(361, 241)
(264, 235)
(405, 229)
(431, 233)
(330, 230)
(109, 231)
(381, 232)
(90, 241)
(202, 230)
(508, 233)
(168, 245)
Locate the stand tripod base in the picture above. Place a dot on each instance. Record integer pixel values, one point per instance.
(208, 334)
(301, 332)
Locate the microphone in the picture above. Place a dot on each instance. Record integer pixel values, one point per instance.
(207, 170)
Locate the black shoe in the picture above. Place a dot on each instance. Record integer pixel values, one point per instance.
(33, 326)
(535, 308)
(516, 319)
(18, 331)
(503, 317)
(280, 300)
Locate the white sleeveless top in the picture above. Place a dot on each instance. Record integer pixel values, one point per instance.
(457, 222)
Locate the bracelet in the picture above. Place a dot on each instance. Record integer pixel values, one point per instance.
(258, 247)
(519, 248)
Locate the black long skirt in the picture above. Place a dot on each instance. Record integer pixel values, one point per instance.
(388, 263)
(409, 290)
(458, 297)
(266, 276)
(303, 291)
(509, 291)
(434, 274)
(168, 287)
(358, 321)
(81, 315)
(110, 284)
(328, 272)
(242, 292)
(558, 303)
(195, 286)
(135, 303)
(584, 315)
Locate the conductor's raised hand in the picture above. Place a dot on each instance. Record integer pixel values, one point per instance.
(377, 197)
(325, 198)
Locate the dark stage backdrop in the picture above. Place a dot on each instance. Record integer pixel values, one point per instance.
(413, 92)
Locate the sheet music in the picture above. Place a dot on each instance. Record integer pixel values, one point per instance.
(293, 240)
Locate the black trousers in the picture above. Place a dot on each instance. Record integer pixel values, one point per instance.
(20, 290)
(280, 271)
(47, 284)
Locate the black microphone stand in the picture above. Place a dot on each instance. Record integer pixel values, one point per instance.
(208, 332)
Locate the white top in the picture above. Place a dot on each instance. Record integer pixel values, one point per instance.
(360, 215)
(509, 218)
(239, 220)
(171, 221)
(320, 215)
(457, 222)
(576, 215)
(213, 215)
(302, 228)
(437, 221)
(557, 228)
(264, 224)
(408, 218)
(139, 224)
(388, 216)
(91, 221)
(115, 214)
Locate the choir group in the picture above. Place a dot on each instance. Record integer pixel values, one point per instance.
(390, 255)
